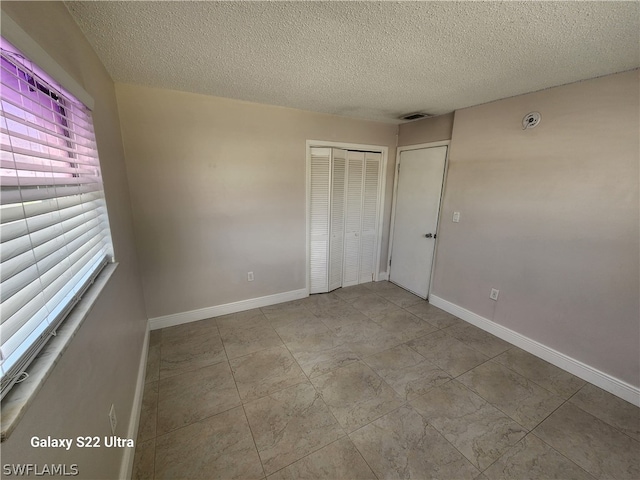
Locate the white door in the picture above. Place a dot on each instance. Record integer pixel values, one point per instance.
(353, 218)
(336, 228)
(369, 230)
(419, 188)
(319, 213)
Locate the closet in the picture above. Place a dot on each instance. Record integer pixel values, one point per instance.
(345, 189)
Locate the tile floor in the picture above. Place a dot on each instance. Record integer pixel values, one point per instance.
(369, 382)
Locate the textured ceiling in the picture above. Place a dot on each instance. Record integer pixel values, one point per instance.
(373, 60)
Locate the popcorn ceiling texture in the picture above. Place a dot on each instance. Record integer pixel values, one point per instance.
(361, 59)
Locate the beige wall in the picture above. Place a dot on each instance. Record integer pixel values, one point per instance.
(101, 363)
(550, 217)
(218, 190)
(427, 130)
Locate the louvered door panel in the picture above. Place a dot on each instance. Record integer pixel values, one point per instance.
(336, 247)
(353, 218)
(368, 237)
(319, 220)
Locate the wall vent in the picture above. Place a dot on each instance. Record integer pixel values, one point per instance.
(415, 116)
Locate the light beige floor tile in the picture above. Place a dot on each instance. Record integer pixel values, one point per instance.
(380, 286)
(533, 459)
(373, 305)
(155, 338)
(300, 329)
(195, 395)
(400, 297)
(407, 325)
(180, 354)
(320, 353)
(148, 413)
(406, 371)
(216, 447)
(478, 430)
(293, 305)
(241, 320)
(472, 336)
(543, 373)
(607, 407)
(356, 395)
(239, 342)
(448, 353)
(144, 460)
(265, 372)
(283, 318)
(435, 316)
(402, 444)
(319, 302)
(593, 444)
(289, 424)
(350, 293)
(524, 401)
(338, 316)
(152, 372)
(337, 461)
(187, 331)
(367, 337)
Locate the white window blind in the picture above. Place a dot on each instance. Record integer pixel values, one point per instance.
(54, 229)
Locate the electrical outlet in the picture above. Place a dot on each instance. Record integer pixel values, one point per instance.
(112, 419)
(250, 276)
(456, 217)
(494, 294)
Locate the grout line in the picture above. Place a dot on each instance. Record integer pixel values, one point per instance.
(235, 383)
(596, 416)
(562, 454)
(507, 450)
(318, 393)
(253, 437)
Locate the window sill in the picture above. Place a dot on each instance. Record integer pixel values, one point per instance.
(19, 398)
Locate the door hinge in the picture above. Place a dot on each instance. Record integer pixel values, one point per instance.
(390, 260)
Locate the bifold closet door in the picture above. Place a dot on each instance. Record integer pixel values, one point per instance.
(369, 230)
(336, 226)
(353, 218)
(319, 220)
(326, 229)
(344, 202)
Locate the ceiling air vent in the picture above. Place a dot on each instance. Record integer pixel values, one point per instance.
(415, 116)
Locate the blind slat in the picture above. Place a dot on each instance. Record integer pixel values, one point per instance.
(83, 159)
(16, 195)
(48, 167)
(26, 142)
(18, 211)
(45, 125)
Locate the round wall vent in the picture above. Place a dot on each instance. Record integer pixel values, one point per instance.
(530, 120)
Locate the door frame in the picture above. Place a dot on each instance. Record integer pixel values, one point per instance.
(384, 151)
(399, 150)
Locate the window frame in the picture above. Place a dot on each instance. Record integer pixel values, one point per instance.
(16, 400)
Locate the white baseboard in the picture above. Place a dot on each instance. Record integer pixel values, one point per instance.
(126, 468)
(383, 276)
(227, 308)
(590, 374)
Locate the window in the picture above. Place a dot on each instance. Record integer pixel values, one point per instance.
(54, 228)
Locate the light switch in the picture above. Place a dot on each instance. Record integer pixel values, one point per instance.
(456, 217)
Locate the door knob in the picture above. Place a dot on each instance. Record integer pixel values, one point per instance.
(429, 235)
